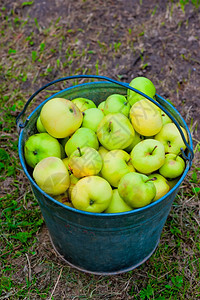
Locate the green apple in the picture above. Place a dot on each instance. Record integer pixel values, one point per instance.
(136, 189)
(40, 127)
(161, 184)
(148, 156)
(63, 155)
(116, 164)
(60, 117)
(73, 179)
(173, 167)
(85, 162)
(63, 141)
(64, 198)
(66, 161)
(115, 131)
(83, 137)
(143, 85)
(91, 118)
(101, 106)
(39, 146)
(171, 138)
(117, 204)
(165, 118)
(73, 182)
(117, 103)
(102, 151)
(83, 103)
(137, 138)
(91, 194)
(51, 175)
(146, 118)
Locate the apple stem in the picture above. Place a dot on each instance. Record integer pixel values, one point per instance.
(153, 149)
(129, 160)
(109, 126)
(169, 144)
(151, 179)
(70, 170)
(177, 155)
(66, 199)
(79, 150)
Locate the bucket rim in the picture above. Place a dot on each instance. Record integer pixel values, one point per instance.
(104, 215)
(70, 88)
(188, 146)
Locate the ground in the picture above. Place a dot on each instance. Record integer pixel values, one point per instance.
(45, 40)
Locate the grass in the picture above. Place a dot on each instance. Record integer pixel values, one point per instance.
(33, 55)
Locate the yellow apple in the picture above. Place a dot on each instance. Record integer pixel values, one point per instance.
(171, 138)
(85, 161)
(117, 204)
(146, 118)
(39, 126)
(73, 179)
(73, 182)
(60, 117)
(64, 198)
(51, 175)
(161, 185)
(92, 194)
(66, 161)
(116, 164)
(102, 151)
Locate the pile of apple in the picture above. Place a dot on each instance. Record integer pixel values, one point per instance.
(119, 156)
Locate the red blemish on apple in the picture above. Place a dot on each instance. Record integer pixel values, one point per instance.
(147, 154)
(169, 144)
(65, 199)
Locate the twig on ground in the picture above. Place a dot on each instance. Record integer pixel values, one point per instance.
(56, 284)
(29, 268)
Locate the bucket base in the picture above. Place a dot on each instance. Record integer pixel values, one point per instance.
(103, 273)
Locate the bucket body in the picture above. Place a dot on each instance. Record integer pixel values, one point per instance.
(101, 243)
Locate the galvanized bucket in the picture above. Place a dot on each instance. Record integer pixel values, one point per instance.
(102, 243)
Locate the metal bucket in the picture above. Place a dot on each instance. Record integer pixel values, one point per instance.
(102, 243)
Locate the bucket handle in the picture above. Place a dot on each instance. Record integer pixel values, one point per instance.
(21, 125)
